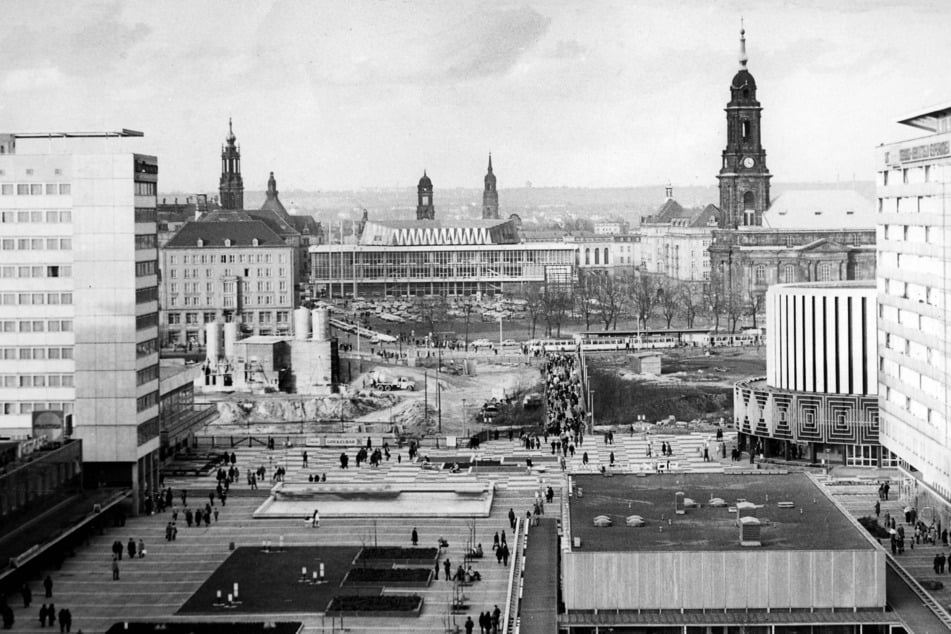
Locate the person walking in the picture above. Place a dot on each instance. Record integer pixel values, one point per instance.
(414, 537)
(131, 548)
(48, 586)
(878, 508)
(65, 620)
(44, 614)
(115, 569)
(511, 520)
(469, 625)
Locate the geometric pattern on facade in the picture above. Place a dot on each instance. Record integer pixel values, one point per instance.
(804, 417)
(431, 233)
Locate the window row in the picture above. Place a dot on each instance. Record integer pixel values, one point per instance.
(145, 189)
(149, 400)
(35, 189)
(35, 299)
(228, 300)
(36, 380)
(146, 241)
(147, 347)
(230, 258)
(145, 375)
(36, 325)
(36, 244)
(29, 353)
(11, 409)
(914, 233)
(38, 270)
(20, 217)
(910, 205)
(146, 268)
(264, 317)
(146, 321)
(145, 214)
(228, 272)
(147, 294)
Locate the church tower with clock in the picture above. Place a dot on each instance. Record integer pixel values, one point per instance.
(744, 177)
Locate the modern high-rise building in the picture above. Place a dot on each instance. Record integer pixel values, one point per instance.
(914, 283)
(79, 301)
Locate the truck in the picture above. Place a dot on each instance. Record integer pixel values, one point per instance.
(386, 384)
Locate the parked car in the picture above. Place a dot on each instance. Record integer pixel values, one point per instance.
(481, 343)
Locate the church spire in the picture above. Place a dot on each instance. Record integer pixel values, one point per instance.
(743, 58)
(231, 186)
(490, 197)
(490, 162)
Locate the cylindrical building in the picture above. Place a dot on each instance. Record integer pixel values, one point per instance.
(321, 319)
(818, 400)
(231, 338)
(212, 341)
(301, 324)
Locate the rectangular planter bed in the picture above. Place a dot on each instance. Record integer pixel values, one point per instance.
(389, 556)
(389, 577)
(389, 605)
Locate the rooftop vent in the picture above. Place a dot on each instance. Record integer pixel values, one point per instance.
(745, 509)
(635, 521)
(750, 532)
(602, 521)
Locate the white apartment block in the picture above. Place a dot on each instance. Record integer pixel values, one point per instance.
(79, 300)
(914, 282)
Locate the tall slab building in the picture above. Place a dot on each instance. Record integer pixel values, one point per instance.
(914, 284)
(79, 300)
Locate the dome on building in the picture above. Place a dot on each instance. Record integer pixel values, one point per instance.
(743, 79)
(424, 182)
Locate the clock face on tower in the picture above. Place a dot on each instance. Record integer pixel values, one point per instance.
(749, 162)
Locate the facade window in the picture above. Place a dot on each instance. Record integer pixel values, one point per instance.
(789, 273)
(759, 274)
(587, 256)
(824, 273)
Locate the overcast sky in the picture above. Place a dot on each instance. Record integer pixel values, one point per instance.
(349, 94)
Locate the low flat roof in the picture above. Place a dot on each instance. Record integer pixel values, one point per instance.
(814, 523)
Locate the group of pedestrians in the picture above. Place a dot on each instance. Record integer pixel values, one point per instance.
(563, 393)
(48, 613)
(488, 622)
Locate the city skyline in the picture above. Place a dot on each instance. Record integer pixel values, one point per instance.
(370, 95)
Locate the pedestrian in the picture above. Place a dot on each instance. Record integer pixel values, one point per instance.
(304, 460)
(27, 595)
(414, 537)
(511, 523)
(130, 548)
(44, 614)
(48, 586)
(878, 508)
(141, 548)
(115, 569)
(436, 571)
(216, 513)
(315, 519)
(469, 625)
(495, 541)
(447, 566)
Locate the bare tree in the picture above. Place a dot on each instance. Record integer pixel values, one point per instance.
(734, 306)
(534, 305)
(714, 297)
(583, 294)
(755, 302)
(610, 293)
(556, 301)
(643, 298)
(690, 297)
(433, 311)
(668, 298)
(467, 307)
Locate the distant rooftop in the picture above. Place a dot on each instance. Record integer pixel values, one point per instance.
(928, 118)
(814, 523)
(820, 209)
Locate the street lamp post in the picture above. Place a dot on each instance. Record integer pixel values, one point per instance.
(465, 421)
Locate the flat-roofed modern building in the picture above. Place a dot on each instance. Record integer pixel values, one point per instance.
(818, 400)
(716, 553)
(430, 257)
(914, 283)
(79, 309)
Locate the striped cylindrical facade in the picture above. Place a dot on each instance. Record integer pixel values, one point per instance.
(822, 337)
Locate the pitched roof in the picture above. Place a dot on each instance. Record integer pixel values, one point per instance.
(821, 209)
(673, 213)
(214, 234)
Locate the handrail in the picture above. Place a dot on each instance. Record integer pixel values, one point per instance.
(516, 563)
(923, 594)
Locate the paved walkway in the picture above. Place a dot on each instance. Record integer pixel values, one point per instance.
(539, 608)
(155, 587)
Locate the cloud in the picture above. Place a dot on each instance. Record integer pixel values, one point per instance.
(489, 42)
